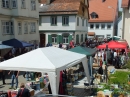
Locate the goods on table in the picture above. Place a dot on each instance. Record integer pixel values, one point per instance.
(69, 88)
(45, 91)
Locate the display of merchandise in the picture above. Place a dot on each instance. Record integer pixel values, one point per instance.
(70, 88)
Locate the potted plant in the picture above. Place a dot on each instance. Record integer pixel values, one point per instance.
(115, 93)
(123, 94)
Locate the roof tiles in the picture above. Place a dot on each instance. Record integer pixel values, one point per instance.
(60, 6)
(105, 14)
(125, 3)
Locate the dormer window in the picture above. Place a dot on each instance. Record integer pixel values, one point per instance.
(94, 15)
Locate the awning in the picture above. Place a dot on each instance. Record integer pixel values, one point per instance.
(91, 33)
(112, 45)
(16, 43)
(84, 50)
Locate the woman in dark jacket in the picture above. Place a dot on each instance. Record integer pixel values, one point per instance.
(23, 92)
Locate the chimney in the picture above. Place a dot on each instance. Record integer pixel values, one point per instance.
(103, 0)
(48, 1)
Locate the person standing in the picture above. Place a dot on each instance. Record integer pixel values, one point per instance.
(14, 76)
(2, 76)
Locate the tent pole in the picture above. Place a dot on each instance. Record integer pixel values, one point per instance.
(106, 62)
(97, 58)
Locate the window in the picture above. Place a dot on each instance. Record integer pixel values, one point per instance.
(14, 3)
(5, 3)
(108, 36)
(102, 26)
(97, 26)
(82, 22)
(86, 23)
(7, 27)
(65, 20)
(81, 37)
(19, 28)
(108, 26)
(33, 27)
(53, 20)
(54, 39)
(25, 27)
(23, 4)
(33, 4)
(91, 26)
(94, 15)
(40, 20)
(65, 39)
(77, 21)
(11, 28)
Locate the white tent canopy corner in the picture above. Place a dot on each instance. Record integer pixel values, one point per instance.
(49, 60)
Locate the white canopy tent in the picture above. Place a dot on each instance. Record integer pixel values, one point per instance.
(49, 60)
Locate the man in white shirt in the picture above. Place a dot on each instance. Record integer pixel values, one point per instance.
(115, 54)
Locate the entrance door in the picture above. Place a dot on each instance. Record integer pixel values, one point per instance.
(42, 40)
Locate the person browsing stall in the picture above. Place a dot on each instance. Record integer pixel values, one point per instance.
(23, 92)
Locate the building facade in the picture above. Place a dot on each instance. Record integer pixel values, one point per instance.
(119, 27)
(126, 20)
(62, 21)
(19, 19)
(103, 14)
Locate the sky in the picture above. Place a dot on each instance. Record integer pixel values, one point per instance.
(120, 1)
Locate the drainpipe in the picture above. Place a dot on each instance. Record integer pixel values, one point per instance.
(123, 22)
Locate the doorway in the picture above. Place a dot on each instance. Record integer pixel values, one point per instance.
(42, 40)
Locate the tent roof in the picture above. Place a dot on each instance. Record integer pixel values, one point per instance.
(16, 43)
(47, 59)
(112, 45)
(5, 46)
(83, 50)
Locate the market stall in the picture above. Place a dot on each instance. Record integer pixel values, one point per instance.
(89, 52)
(49, 60)
(17, 43)
(112, 45)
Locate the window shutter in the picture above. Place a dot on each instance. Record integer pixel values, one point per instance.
(1, 3)
(70, 38)
(77, 38)
(49, 38)
(60, 38)
(57, 39)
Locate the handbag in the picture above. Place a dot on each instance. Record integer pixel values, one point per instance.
(21, 93)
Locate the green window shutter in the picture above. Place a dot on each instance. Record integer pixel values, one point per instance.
(81, 37)
(70, 38)
(60, 38)
(49, 38)
(77, 38)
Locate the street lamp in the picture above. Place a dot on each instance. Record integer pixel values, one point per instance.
(113, 19)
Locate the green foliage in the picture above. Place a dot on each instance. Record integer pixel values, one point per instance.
(116, 92)
(119, 13)
(127, 66)
(129, 54)
(119, 77)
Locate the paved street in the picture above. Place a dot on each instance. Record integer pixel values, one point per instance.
(8, 81)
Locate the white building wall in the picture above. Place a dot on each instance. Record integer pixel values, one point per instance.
(119, 30)
(21, 15)
(18, 11)
(100, 31)
(46, 23)
(80, 27)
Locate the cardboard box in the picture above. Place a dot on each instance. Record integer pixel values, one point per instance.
(32, 92)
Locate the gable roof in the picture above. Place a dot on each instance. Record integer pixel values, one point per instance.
(125, 3)
(60, 7)
(104, 13)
